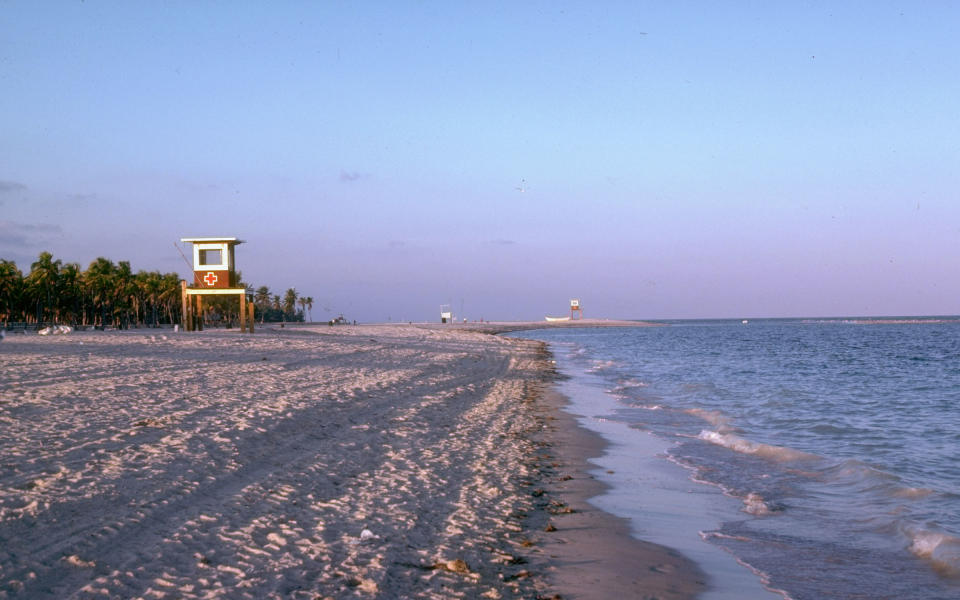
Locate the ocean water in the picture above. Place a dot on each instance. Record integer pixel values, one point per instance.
(821, 457)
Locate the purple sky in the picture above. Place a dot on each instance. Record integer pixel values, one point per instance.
(656, 160)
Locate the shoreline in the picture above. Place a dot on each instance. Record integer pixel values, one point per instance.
(305, 462)
(592, 553)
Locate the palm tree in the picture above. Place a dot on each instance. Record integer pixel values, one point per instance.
(42, 283)
(69, 293)
(125, 293)
(303, 305)
(308, 302)
(11, 288)
(170, 295)
(99, 278)
(261, 299)
(151, 287)
(290, 303)
(139, 297)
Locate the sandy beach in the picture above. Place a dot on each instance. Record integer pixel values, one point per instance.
(312, 462)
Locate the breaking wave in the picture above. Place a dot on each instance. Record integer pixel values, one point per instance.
(714, 417)
(941, 549)
(739, 444)
(755, 504)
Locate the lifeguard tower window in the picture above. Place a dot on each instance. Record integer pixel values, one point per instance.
(210, 257)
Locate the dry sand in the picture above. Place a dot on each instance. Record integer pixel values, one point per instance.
(341, 462)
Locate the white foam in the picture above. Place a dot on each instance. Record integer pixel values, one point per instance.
(942, 549)
(601, 365)
(623, 388)
(744, 446)
(754, 504)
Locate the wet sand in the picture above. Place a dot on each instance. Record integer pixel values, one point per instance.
(311, 462)
(592, 554)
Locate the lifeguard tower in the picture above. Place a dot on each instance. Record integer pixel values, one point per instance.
(576, 311)
(214, 273)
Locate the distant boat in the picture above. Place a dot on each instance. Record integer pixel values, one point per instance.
(744, 321)
(557, 318)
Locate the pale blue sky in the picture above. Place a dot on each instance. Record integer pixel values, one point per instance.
(677, 159)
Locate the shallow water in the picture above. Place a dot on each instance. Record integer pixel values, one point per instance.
(828, 448)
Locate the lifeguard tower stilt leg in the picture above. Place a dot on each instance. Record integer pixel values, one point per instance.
(184, 307)
(243, 312)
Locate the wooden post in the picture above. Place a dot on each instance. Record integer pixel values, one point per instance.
(199, 312)
(184, 312)
(250, 314)
(243, 311)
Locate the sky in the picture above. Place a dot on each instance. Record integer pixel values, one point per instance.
(656, 160)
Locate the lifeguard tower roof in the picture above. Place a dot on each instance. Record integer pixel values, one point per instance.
(205, 240)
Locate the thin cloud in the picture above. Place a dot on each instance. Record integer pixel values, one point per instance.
(503, 242)
(82, 197)
(8, 187)
(352, 176)
(22, 234)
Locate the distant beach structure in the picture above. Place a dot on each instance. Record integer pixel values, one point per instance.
(576, 312)
(576, 309)
(446, 313)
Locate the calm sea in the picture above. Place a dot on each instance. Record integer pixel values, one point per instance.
(826, 453)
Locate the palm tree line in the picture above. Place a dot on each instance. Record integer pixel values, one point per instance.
(272, 308)
(109, 294)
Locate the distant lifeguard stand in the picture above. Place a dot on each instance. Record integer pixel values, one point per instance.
(576, 311)
(214, 273)
(446, 314)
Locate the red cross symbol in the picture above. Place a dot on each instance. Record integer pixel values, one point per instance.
(210, 278)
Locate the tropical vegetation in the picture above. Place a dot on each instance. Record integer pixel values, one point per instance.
(109, 294)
